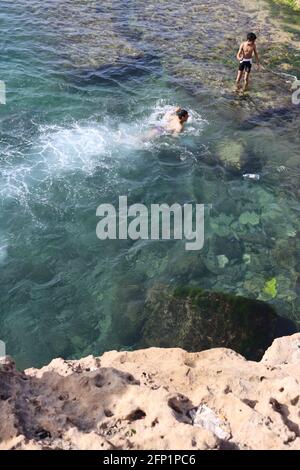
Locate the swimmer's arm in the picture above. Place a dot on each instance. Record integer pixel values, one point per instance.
(240, 53)
(256, 55)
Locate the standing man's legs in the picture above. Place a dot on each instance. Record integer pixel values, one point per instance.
(247, 76)
(246, 80)
(238, 78)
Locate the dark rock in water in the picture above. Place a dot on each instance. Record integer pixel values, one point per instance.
(121, 71)
(277, 116)
(195, 320)
(237, 158)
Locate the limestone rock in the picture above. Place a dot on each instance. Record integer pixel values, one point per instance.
(144, 400)
(283, 351)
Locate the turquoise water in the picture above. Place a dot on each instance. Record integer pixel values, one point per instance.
(84, 80)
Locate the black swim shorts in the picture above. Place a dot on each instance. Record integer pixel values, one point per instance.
(245, 65)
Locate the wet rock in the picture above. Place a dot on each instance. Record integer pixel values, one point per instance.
(7, 363)
(222, 261)
(249, 218)
(194, 319)
(273, 117)
(96, 42)
(231, 154)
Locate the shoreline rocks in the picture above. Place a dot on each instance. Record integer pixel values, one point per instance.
(155, 399)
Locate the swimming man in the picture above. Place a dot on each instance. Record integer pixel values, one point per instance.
(173, 123)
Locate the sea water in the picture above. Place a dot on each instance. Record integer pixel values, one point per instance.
(84, 82)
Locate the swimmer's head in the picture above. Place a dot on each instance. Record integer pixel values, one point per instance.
(182, 114)
(251, 37)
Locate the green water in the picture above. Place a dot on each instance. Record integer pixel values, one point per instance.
(84, 79)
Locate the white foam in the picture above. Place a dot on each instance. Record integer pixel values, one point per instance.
(59, 150)
(75, 148)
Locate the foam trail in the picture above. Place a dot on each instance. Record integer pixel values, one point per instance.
(75, 148)
(56, 151)
(60, 150)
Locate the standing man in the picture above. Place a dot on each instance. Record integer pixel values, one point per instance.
(244, 56)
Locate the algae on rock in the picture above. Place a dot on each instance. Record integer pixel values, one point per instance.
(194, 319)
(230, 153)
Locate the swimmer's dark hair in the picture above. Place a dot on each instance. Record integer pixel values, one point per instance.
(251, 37)
(182, 113)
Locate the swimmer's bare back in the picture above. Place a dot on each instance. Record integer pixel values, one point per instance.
(171, 126)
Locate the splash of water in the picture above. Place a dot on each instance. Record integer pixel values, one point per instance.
(83, 146)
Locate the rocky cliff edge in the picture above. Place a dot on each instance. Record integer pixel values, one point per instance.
(155, 399)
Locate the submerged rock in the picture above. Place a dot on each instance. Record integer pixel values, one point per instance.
(222, 261)
(195, 320)
(230, 153)
(95, 41)
(274, 117)
(249, 218)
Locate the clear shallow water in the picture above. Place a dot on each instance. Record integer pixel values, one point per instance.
(84, 80)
